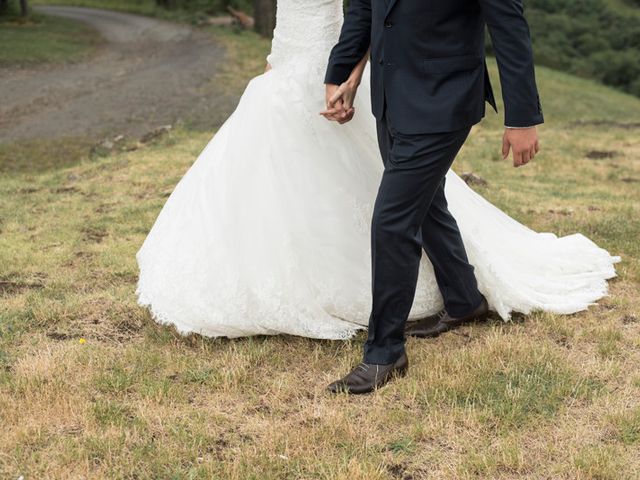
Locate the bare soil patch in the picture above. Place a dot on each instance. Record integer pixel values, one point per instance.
(147, 73)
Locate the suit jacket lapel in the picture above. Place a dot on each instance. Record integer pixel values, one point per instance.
(389, 7)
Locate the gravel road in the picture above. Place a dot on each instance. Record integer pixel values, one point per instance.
(147, 73)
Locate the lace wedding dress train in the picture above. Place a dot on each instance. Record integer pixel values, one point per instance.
(268, 232)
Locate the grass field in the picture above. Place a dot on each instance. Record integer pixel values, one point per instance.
(145, 7)
(45, 39)
(190, 12)
(623, 6)
(91, 387)
(140, 7)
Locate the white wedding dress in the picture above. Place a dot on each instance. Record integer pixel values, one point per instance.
(268, 232)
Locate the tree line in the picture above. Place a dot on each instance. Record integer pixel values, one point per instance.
(20, 8)
(588, 38)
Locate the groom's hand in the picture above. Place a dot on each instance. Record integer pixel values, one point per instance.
(339, 101)
(523, 142)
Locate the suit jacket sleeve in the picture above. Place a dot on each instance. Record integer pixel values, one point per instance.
(354, 41)
(512, 43)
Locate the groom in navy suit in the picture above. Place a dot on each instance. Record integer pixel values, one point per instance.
(429, 85)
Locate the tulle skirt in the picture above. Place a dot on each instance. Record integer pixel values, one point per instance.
(268, 232)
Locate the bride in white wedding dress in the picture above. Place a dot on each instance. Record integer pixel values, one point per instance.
(268, 232)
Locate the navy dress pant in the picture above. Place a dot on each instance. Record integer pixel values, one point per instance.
(411, 215)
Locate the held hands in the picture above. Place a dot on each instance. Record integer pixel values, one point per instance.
(523, 142)
(339, 101)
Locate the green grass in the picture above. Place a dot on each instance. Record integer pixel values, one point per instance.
(531, 385)
(45, 39)
(623, 6)
(190, 12)
(134, 6)
(626, 426)
(140, 7)
(91, 387)
(601, 462)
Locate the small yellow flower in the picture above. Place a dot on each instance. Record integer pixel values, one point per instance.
(82, 341)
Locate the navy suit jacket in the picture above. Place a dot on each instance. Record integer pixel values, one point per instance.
(427, 61)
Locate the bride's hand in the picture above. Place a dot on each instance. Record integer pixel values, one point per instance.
(337, 110)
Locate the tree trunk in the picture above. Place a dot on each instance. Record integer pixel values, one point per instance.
(265, 16)
(24, 9)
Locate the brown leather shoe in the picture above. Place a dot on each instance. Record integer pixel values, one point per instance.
(367, 377)
(424, 322)
(427, 329)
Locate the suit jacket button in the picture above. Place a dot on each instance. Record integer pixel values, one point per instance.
(388, 24)
(381, 62)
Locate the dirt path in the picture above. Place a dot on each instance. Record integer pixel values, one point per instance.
(148, 73)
